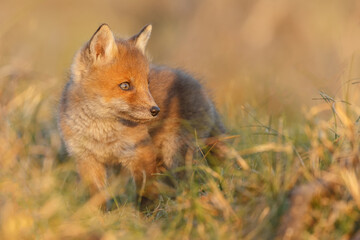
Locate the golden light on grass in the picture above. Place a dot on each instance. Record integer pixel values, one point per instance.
(286, 85)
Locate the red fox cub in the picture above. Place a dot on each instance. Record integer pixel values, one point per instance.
(118, 109)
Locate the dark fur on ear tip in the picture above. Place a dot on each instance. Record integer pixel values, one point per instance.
(103, 25)
(145, 27)
(140, 40)
(135, 37)
(98, 29)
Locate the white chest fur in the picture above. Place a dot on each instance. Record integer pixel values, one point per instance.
(108, 140)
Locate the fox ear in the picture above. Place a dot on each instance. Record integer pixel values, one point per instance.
(140, 40)
(102, 46)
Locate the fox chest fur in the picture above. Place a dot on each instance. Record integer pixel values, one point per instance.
(110, 140)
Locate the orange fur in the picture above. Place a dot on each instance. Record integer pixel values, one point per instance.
(103, 124)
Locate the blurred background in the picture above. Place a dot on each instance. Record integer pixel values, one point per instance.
(268, 63)
(273, 55)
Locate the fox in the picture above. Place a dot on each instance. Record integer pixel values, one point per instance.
(117, 108)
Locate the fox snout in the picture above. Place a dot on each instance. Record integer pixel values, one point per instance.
(154, 110)
(145, 109)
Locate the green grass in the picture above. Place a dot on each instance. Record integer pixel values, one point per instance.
(41, 196)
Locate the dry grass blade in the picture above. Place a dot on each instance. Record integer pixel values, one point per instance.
(289, 173)
(267, 147)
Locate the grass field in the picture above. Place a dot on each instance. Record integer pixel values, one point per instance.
(289, 97)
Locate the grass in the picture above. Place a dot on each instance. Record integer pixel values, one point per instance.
(303, 177)
(303, 180)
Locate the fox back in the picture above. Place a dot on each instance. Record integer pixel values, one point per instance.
(118, 109)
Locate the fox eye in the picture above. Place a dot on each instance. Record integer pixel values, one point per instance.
(125, 86)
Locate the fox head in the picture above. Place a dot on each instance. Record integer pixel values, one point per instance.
(112, 74)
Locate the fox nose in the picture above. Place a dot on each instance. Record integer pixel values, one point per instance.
(154, 110)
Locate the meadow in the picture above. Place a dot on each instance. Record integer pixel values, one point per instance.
(284, 76)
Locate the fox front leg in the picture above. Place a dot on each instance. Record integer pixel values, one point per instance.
(93, 175)
(143, 170)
